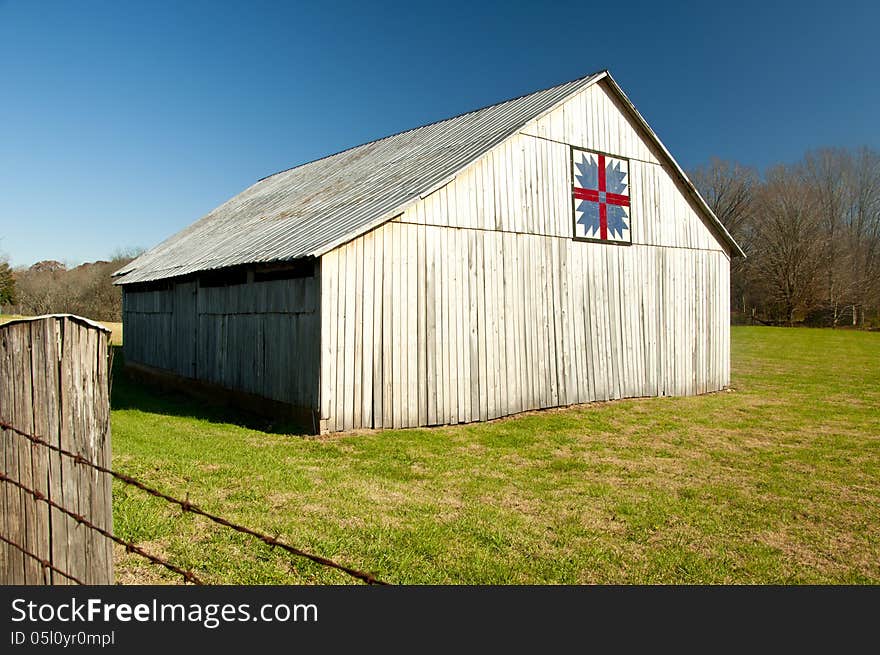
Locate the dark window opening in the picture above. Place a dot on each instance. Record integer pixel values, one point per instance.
(294, 270)
(223, 278)
(143, 287)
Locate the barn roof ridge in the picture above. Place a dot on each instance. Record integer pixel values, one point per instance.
(311, 208)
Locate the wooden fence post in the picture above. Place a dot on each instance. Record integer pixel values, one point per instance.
(54, 385)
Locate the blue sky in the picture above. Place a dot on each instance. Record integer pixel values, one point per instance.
(123, 122)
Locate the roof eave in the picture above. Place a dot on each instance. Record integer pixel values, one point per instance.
(701, 202)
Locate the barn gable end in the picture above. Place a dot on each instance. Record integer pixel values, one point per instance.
(521, 177)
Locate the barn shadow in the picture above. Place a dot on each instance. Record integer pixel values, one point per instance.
(128, 393)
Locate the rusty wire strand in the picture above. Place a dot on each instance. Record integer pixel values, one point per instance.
(187, 506)
(189, 576)
(45, 563)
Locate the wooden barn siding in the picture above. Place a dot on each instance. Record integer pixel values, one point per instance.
(260, 337)
(484, 324)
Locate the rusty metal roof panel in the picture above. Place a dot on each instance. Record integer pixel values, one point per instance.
(309, 209)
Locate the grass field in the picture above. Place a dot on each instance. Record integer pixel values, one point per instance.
(776, 481)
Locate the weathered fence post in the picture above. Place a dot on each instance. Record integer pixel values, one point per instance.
(54, 385)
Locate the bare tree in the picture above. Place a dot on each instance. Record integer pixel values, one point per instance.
(787, 248)
(729, 189)
(862, 224)
(825, 172)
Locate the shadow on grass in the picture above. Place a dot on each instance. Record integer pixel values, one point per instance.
(127, 393)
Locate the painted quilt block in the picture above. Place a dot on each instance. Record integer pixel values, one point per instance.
(600, 197)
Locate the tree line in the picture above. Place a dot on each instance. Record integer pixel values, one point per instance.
(811, 234)
(49, 287)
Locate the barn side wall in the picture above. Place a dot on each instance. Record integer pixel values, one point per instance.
(260, 338)
(476, 302)
(442, 325)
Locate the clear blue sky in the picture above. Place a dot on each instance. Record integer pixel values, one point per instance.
(122, 122)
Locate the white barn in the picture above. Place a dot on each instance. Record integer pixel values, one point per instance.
(541, 252)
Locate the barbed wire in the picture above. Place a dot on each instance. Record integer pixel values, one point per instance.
(46, 563)
(189, 576)
(187, 506)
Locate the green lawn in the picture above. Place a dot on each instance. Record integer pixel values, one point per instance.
(777, 481)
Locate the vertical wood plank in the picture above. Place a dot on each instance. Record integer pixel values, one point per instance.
(422, 342)
(482, 327)
(357, 362)
(431, 335)
(459, 300)
(412, 324)
(368, 343)
(350, 333)
(398, 343)
(339, 395)
(448, 345)
(378, 328)
(387, 327)
(14, 519)
(44, 403)
(474, 286)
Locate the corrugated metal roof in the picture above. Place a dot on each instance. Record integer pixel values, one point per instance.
(310, 209)
(307, 210)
